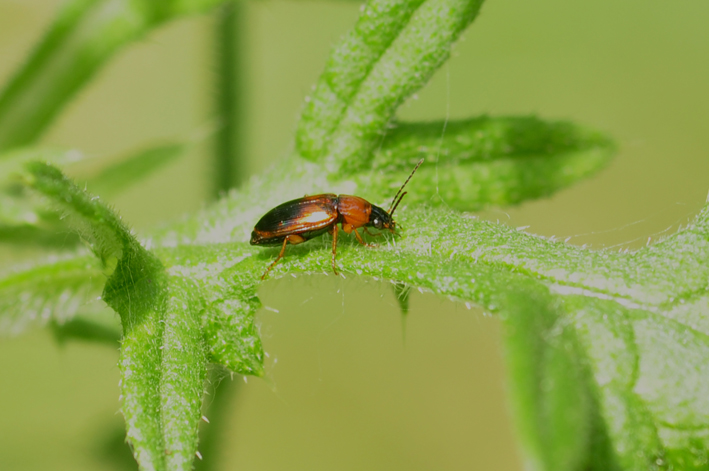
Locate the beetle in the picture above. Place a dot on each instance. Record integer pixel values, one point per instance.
(302, 219)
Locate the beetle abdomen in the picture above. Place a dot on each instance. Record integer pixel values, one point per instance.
(308, 217)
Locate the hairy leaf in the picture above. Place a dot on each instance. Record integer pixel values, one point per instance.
(394, 49)
(163, 363)
(552, 399)
(15, 208)
(25, 221)
(606, 351)
(605, 348)
(55, 290)
(484, 161)
(163, 356)
(230, 302)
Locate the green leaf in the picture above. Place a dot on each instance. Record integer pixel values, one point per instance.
(606, 331)
(602, 371)
(24, 221)
(393, 50)
(109, 239)
(578, 328)
(15, 208)
(83, 37)
(137, 289)
(175, 318)
(163, 364)
(551, 396)
(484, 161)
(99, 329)
(606, 350)
(47, 233)
(55, 290)
(128, 171)
(223, 274)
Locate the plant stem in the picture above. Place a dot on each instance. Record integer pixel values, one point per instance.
(228, 173)
(227, 169)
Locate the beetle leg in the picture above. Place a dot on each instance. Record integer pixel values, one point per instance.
(280, 256)
(294, 239)
(334, 248)
(361, 241)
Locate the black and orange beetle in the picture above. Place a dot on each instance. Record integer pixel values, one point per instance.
(302, 219)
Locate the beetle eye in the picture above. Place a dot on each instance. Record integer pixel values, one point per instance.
(377, 223)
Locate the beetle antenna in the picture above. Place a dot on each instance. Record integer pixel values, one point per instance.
(391, 213)
(394, 202)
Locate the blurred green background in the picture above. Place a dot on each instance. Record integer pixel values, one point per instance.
(350, 385)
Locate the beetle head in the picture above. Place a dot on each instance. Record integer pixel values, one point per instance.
(380, 219)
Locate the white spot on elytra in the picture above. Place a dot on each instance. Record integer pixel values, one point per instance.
(317, 216)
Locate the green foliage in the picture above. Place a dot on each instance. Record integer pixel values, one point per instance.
(129, 171)
(88, 328)
(84, 36)
(173, 320)
(21, 220)
(606, 351)
(393, 50)
(472, 163)
(53, 290)
(25, 221)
